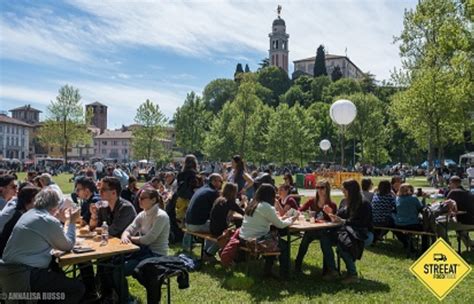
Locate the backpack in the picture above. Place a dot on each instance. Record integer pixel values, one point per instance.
(431, 212)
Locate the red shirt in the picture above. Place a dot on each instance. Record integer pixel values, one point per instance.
(289, 201)
(311, 205)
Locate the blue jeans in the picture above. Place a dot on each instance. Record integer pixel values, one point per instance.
(210, 247)
(330, 239)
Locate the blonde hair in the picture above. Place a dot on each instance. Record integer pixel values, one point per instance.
(405, 189)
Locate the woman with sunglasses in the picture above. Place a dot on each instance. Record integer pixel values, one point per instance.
(316, 205)
(149, 230)
(355, 216)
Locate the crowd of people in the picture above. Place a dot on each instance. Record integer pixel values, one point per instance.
(37, 219)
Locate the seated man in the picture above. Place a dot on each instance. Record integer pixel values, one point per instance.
(87, 192)
(8, 189)
(199, 210)
(36, 233)
(118, 215)
(46, 181)
(465, 202)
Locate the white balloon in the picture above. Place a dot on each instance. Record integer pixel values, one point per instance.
(325, 145)
(343, 112)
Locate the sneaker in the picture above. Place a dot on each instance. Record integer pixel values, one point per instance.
(330, 275)
(350, 279)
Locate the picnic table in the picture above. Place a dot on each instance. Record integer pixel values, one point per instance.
(113, 248)
(302, 225)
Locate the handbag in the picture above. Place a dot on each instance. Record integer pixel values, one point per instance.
(267, 243)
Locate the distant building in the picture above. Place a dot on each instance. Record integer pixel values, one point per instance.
(30, 115)
(113, 144)
(14, 138)
(348, 68)
(278, 52)
(26, 114)
(99, 115)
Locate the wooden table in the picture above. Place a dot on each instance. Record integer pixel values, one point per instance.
(112, 248)
(303, 226)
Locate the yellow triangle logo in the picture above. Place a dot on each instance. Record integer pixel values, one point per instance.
(440, 269)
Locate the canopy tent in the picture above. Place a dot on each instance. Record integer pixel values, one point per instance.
(466, 158)
(447, 163)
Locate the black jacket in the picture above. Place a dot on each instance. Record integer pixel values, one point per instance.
(465, 202)
(152, 272)
(187, 182)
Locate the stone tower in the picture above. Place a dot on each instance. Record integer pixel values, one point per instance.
(99, 115)
(278, 53)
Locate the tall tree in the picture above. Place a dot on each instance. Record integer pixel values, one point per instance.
(368, 83)
(317, 87)
(147, 136)
(344, 86)
(320, 63)
(275, 79)
(219, 143)
(435, 47)
(264, 63)
(336, 74)
(191, 123)
(238, 70)
(218, 92)
(66, 123)
(247, 69)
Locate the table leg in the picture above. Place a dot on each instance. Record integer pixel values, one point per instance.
(288, 241)
(121, 291)
(168, 287)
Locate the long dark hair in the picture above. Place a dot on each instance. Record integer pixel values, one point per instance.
(26, 196)
(190, 163)
(354, 196)
(229, 194)
(240, 165)
(265, 193)
(327, 187)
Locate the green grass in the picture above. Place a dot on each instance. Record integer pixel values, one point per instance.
(384, 271)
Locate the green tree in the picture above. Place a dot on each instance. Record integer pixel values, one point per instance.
(275, 79)
(344, 86)
(303, 138)
(323, 128)
(219, 143)
(368, 83)
(265, 62)
(336, 74)
(318, 85)
(66, 123)
(218, 92)
(247, 69)
(191, 122)
(147, 136)
(238, 70)
(293, 96)
(435, 46)
(320, 63)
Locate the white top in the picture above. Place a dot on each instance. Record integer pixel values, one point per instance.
(153, 225)
(259, 223)
(470, 172)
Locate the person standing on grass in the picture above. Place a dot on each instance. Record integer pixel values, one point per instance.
(315, 204)
(149, 230)
(239, 176)
(187, 184)
(355, 215)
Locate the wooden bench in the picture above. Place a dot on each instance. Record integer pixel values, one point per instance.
(202, 236)
(251, 255)
(410, 233)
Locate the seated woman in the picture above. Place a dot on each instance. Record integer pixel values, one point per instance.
(24, 202)
(285, 201)
(259, 216)
(355, 213)
(150, 230)
(383, 207)
(316, 204)
(221, 208)
(407, 209)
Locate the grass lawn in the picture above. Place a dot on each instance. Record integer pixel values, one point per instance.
(384, 271)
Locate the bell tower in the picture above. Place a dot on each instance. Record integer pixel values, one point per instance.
(278, 53)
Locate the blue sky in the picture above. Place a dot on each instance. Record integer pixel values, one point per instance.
(122, 52)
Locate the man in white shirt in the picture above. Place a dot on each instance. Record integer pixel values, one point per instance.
(470, 174)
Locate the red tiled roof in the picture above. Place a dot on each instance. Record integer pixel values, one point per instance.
(9, 120)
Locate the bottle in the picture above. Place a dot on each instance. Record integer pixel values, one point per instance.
(105, 234)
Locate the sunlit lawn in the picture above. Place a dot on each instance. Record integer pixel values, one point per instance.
(384, 271)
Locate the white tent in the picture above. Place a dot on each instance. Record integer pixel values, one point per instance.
(466, 158)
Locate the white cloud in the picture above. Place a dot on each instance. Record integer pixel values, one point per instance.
(122, 100)
(220, 29)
